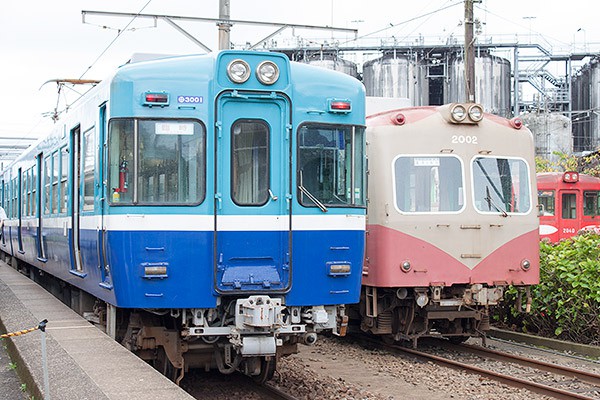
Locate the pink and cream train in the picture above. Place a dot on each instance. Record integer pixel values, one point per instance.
(452, 220)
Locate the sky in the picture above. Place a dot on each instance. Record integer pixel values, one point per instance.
(49, 40)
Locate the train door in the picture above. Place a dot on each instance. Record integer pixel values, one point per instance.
(20, 210)
(568, 224)
(252, 193)
(75, 199)
(39, 208)
(89, 221)
(3, 205)
(101, 202)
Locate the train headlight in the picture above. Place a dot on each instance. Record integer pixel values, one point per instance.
(238, 71)
(525, 264)
(475, 113)
(267, 72)
(458, 113)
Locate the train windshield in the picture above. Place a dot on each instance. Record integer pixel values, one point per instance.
(546, 199)
(156, 162)
(591, 206)
(501, 185)
(428, 184)
(331, 166)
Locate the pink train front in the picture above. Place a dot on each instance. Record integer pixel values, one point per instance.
(452, 220)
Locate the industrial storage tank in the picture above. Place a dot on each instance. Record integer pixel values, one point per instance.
(586, 98)
(400, 76)
(551, 133)
(332, 61)
(492, 83)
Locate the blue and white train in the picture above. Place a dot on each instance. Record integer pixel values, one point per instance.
(209, 211)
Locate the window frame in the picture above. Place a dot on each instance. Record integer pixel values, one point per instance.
(268, 160)
(423, 155)
(353, 161)
(529, 185)
(134, 164)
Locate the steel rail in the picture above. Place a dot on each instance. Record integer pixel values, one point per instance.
(507, 379)
(584, 376)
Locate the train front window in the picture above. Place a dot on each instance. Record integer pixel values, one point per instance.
(156, 162)
(591, 207)
(501, 185)
(546, 200)
(250, 163)
(331, 166)
(428, 184)
(569, 206)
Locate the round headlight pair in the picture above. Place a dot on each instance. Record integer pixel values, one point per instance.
(459, 113)
(267, 72)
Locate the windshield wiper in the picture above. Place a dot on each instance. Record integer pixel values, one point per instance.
(312, 198)
(491, 202)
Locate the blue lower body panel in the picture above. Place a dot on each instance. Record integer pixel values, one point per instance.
(314, 253)
(185, 257)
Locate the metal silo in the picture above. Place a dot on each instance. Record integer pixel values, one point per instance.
(586, 98)
(395, 76)
(332, 61)
(551, 133)
(492, 83)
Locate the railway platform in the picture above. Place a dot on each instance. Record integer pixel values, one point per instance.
(82, 362)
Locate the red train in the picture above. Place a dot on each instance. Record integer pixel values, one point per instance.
(451, 220)
(568, 204)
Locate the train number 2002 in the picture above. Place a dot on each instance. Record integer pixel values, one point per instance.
(461, 139)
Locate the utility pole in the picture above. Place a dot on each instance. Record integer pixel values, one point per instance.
(469, 53)
(224, 25)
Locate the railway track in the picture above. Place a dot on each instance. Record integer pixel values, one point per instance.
(214, 386)
(537, 376)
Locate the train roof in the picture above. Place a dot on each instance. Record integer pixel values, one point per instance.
(551, 179)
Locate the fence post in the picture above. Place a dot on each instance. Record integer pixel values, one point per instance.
(42, 328)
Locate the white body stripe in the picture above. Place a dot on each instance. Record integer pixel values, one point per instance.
(203, 223)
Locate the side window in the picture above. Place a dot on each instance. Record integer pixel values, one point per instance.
(47, 182)
(64, 171)
(121, 152)
(55, 171)
(88, 161)
(250, 163)
(569, 206)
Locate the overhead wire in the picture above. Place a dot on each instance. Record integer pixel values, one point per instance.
(403, 22)
(115, 39)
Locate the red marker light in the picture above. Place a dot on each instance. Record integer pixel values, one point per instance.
(516, 123)
(340, 106)
(399, 119)
(155, 99)
(159, 98)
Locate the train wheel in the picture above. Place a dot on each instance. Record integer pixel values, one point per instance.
(458, 339)
(267, 369)
(162, 364)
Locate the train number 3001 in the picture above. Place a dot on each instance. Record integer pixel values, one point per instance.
(461, 139)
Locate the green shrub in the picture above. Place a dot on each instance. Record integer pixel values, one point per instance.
(566, 303)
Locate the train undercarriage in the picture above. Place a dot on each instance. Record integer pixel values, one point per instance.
(407, 314)
(249, 335)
